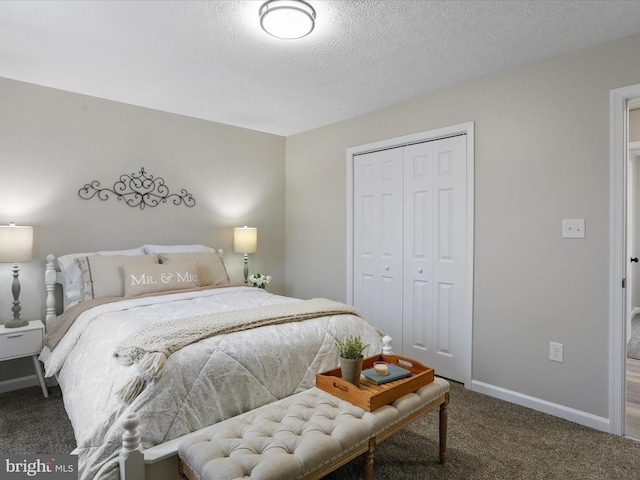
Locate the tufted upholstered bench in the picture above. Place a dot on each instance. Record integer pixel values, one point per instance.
(304, 436)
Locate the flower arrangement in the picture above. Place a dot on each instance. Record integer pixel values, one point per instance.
(259, 280)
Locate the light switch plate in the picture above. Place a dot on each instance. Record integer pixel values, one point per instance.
(573, 228)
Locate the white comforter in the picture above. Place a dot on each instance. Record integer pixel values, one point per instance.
(203, 383)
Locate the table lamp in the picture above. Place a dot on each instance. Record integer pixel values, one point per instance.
(16, 245)
(245, 240)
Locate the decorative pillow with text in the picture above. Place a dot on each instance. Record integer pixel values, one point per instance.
(211, 269)
(139, 279)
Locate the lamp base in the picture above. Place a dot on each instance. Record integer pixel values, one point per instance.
(246, 268)
(15, 289)
(16, 323)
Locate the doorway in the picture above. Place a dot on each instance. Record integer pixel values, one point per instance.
(632, 312)
(622, 242)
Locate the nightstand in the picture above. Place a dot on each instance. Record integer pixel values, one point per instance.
(24, 342)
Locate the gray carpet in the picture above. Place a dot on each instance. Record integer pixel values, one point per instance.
(489, 439)
(633, 347)
(32, 424)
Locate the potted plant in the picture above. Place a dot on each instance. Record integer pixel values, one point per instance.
(350, 354)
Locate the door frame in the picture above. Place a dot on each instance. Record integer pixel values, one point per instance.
(429, 135)
(618, 139)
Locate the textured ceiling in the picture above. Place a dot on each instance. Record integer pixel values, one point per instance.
(210, 60)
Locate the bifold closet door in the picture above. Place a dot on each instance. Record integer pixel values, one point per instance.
(435, 257)
(377, 237)
(410, 250)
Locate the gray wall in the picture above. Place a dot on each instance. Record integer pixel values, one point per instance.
(541, 155)
(53, 142)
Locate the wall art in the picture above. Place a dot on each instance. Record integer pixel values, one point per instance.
(137, 190)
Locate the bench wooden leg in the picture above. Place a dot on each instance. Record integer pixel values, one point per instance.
(367, 468)
(443, 429)
(185, 472)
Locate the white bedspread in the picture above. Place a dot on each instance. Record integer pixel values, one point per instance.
(204, 383)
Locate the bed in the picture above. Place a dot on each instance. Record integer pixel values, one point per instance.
(118, 306)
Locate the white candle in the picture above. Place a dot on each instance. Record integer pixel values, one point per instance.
(381, 368)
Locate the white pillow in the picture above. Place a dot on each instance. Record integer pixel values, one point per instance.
(73, 274)
(177, 248)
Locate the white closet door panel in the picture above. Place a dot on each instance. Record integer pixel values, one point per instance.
(421, 228)
(390, 307)
(388, 237)
(377, 239)
(445, 225)
(365, 284)
(417, 322)
(366, 216)
(453, 342)
(418, 252)
(444, 323)
(434, 227)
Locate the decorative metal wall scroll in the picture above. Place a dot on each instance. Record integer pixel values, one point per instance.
(137, 190)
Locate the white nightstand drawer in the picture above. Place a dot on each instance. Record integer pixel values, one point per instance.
(21, 343)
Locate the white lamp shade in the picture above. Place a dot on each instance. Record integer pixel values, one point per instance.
(245, 240)
(16, 244)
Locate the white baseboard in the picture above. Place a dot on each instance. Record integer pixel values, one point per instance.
(566, 413)
(18, 383)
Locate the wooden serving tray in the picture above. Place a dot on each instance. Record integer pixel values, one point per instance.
(370, 396)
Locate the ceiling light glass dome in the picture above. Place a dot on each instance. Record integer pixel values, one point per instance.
(287, 19)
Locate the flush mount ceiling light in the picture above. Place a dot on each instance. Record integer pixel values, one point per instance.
(287, 19)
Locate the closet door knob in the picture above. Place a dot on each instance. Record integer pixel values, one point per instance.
(634, 259)
(386, 267)
(420, 270)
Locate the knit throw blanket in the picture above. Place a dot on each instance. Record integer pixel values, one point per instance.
(150, 346)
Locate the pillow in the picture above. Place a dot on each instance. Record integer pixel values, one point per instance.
(73, 274)
(211, 270)
(143, 278)
(177, 248)
(102, 275)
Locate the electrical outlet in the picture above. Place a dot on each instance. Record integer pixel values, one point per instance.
(556, 352)
(573, 228)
